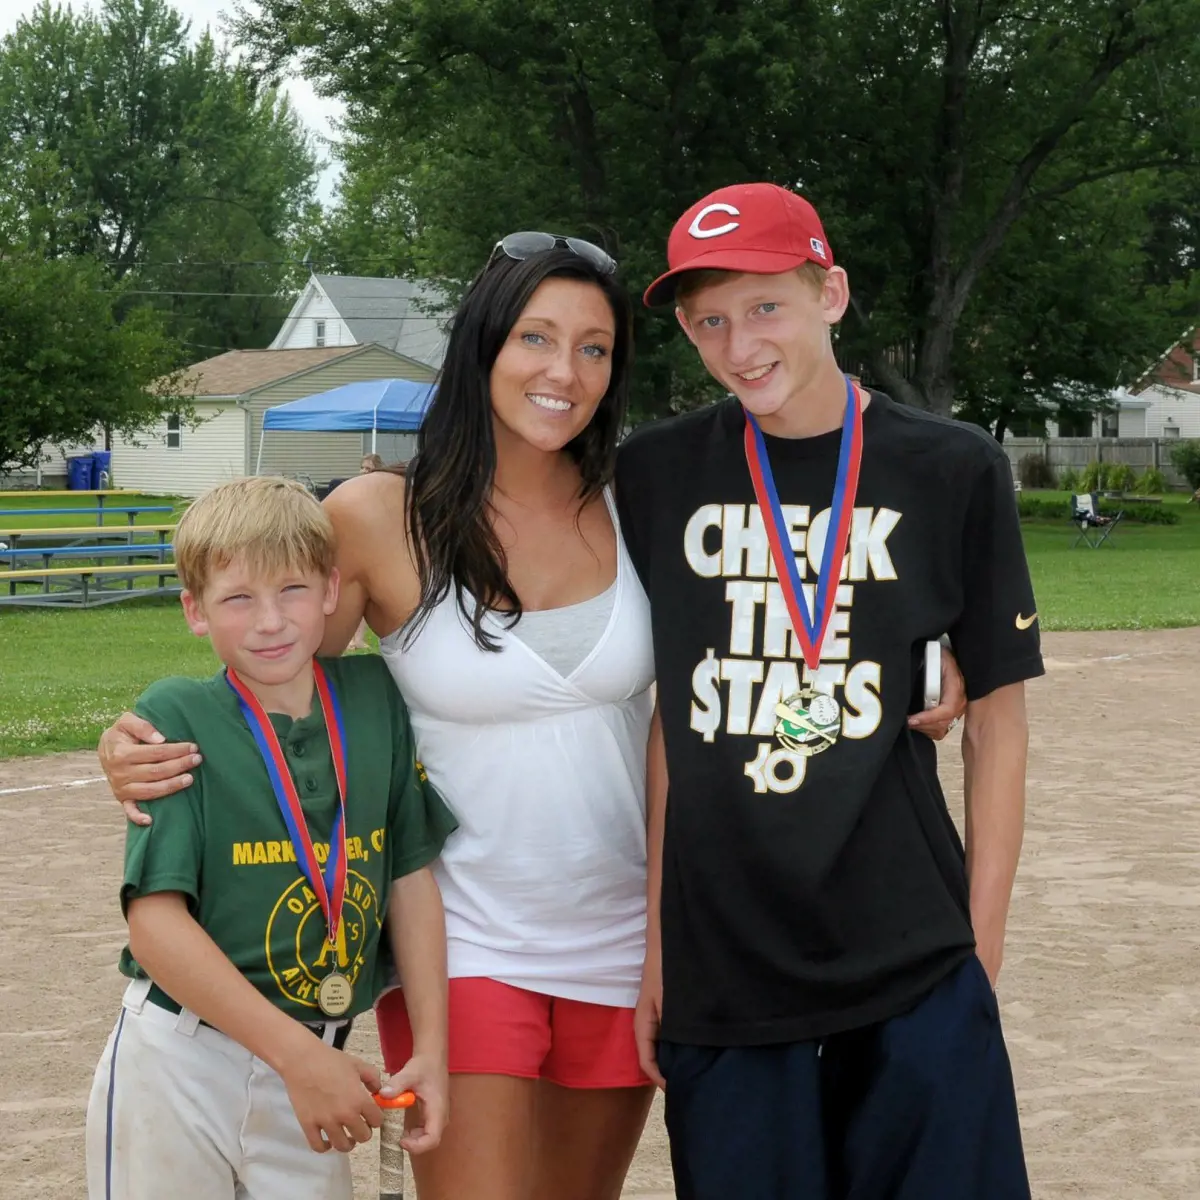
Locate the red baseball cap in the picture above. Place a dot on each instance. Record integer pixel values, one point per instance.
(754, 227)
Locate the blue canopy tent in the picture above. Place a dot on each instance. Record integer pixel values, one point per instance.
(391, 405)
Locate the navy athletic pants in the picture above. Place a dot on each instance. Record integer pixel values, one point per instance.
(920, 1107)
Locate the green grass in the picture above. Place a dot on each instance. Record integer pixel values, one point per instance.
(1144, 577)
(64, 675)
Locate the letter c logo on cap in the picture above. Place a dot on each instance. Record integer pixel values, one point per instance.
(716, 231)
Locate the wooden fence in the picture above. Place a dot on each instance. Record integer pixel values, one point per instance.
(1075, 453)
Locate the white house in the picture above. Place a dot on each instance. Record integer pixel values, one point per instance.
(231, 393)
(355, 310)
(1164, 403)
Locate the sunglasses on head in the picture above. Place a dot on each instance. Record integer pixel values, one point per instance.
(521, 246)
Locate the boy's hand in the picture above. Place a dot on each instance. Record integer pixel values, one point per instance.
(140, 765)
(430, 1081)
(331, 1094)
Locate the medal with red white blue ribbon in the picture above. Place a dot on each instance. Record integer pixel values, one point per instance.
(809, 721)
(335, 993)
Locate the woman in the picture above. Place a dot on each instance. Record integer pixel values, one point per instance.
(514, 624)
(370, 462)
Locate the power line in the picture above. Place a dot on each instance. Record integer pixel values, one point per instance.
(282, 297)
(247, 262)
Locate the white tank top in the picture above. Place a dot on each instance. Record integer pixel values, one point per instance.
(544, 882)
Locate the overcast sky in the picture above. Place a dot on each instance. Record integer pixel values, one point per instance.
(314, 111)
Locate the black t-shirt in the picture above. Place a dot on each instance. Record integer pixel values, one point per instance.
(807, 892)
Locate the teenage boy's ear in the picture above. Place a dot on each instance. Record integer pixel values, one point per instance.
(332, 588)
(194, 613)
(685, 324)
(835, 295)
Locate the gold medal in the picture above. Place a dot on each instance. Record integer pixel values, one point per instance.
(808, 722)
(335, 995)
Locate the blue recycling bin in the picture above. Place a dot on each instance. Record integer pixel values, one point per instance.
(101, 464)
(79, 472)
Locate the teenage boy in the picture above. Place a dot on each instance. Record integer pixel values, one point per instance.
(822, 951)
(256, 899)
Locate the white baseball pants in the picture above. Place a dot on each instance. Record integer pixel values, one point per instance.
(179, 1110)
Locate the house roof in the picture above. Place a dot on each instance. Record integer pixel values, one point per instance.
(1189, 346)
(402, 314)
(237, 372)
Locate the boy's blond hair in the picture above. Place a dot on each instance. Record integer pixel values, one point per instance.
(691, 282)
(271, 524)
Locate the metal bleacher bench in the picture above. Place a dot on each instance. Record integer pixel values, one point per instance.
(124, 550)
(11, 534)
(85, 574)
(131, 511)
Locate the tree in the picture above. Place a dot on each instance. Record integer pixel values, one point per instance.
(930, 134)
(1066, 311)
(160, 158)
(67, 365)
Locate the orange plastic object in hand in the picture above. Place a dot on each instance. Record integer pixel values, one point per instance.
(404, 1100)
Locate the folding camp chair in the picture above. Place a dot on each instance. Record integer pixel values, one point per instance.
(1085, 512)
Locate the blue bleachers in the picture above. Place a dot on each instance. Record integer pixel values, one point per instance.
(91, 512)
(125, 549)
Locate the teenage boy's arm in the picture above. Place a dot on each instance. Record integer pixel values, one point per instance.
(649, 1006)
(997, 643)
(416, 925)
(995, 745)
(328, 1089)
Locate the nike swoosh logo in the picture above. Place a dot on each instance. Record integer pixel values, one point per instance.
(1025, 622)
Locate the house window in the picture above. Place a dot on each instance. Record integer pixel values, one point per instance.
(174, 432)
(1074, 424)
(1196, 368)
(1170, 430)
(1109, 425)
(1027, 427)
(320, 339)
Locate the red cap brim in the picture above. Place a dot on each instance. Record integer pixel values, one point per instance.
(753, 262)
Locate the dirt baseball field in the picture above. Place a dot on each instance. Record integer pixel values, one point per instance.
(1100, 990)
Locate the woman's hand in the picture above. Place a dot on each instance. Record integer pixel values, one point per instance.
(937, 722)
(140, 764)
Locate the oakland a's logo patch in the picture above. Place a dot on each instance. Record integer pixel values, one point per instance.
(298, 950)
(808, 722)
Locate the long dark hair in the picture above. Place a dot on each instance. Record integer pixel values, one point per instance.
(449, 481)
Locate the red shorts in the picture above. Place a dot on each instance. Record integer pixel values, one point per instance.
(496, 1029)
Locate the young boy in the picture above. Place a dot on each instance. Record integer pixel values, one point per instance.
(256, 898)
(822, 953)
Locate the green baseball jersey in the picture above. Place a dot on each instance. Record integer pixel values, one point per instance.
(223, 842)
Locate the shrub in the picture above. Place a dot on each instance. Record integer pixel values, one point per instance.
(1035, 472)
(1121, 477)
(1152, 482)
(1040, 508)
(1186, 459)
(1091, 478)
(1143, 514)
(1068, 481)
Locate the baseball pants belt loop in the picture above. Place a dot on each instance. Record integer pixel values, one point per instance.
(135, 995)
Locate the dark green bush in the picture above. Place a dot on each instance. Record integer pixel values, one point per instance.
(1035, 472)
(1040, 508)
(1186, 458)
(1151, 482)
(1121, 477)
